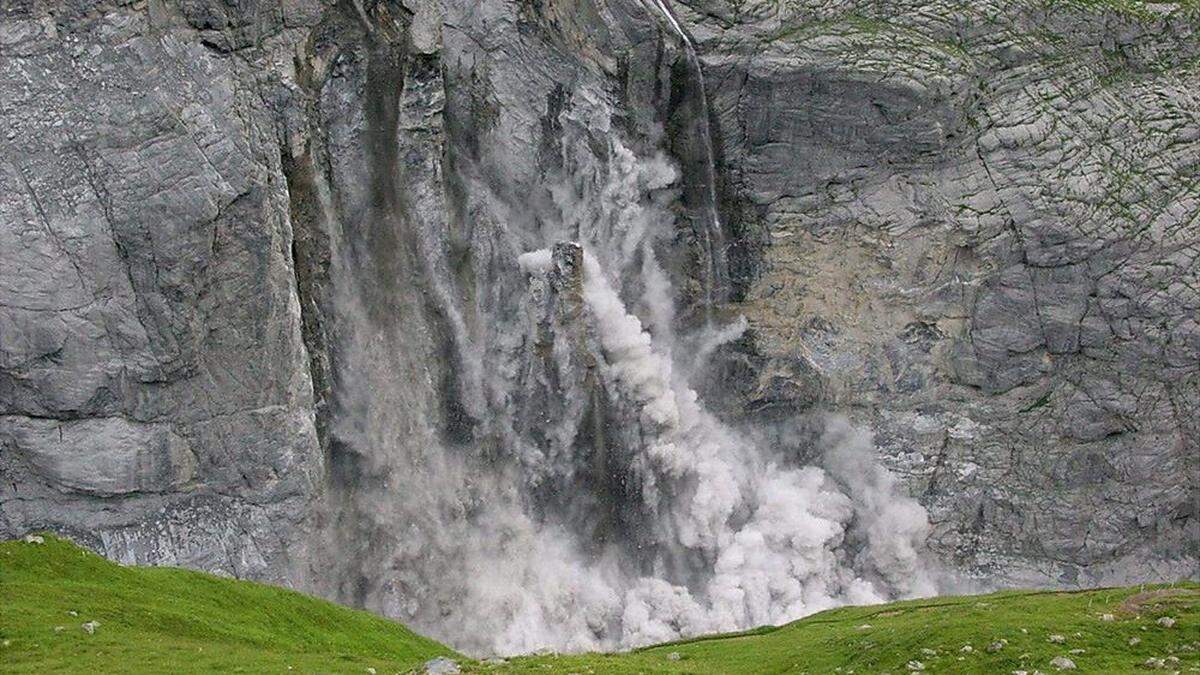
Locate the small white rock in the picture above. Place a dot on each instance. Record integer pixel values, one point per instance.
(1062, 663)
(441, 666)
(1078, 651)
(1134, 641)
(1154, 664)
(967, 649)
(1165, 622)
(90, 627)
(995, 647)
(371, 671)
(865, 626)
(915, 666)
(59, 629)
(1057, 639)
(1020, 672)
(33, 539)
(1107, 617)
(926, 651)
(674, 656)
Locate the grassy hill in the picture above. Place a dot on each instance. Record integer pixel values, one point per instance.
(168, 620)
(171, 620)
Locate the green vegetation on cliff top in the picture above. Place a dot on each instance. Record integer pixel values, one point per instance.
(172, 620)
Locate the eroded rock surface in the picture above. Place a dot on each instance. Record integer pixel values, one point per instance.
(980, 223)
(155, 397)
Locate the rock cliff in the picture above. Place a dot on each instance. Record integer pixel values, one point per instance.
(259, 258)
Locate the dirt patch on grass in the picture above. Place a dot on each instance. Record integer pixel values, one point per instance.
(1140, 602)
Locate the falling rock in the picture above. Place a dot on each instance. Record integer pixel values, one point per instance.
(1062, 663)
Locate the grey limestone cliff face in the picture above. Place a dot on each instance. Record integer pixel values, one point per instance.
(245, 244)
(979, 225)
(155, 397)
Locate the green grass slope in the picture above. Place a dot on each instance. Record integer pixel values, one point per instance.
(883, 639)
(172, 620)
(168, 620)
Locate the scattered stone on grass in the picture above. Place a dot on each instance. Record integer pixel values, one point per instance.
(926, 651)
(967, 649)
(995, 647)
(90, 627)
(1107, 617)
(1057, 639)
(441, 666)
(1154, 663)
(1062, 663)
(33, 539)
(1165, 622)
(674, 656)
(915, 666)
(1134, 641)
(1078, 651)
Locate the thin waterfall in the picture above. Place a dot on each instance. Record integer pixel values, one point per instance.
(717, 272)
